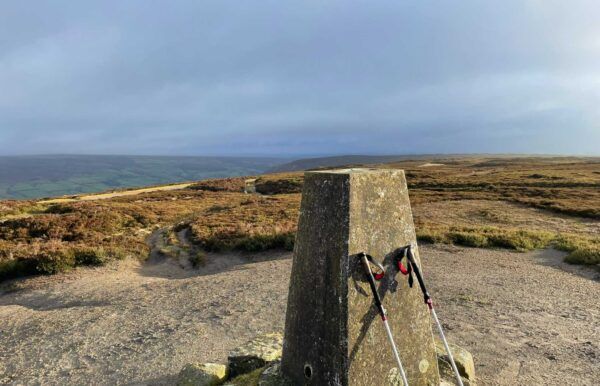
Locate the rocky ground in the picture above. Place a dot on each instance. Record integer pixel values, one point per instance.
(528, 318)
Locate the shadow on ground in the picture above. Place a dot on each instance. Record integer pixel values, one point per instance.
(168, 268)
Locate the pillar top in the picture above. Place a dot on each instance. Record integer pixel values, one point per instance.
(355, 171)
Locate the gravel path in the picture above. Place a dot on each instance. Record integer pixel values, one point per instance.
(525, 318)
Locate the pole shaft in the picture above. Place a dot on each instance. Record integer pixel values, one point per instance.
(427, 298)
(452, 363)
(371, 279)
(396, 355)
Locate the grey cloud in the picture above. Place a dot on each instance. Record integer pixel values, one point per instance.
(311, 77)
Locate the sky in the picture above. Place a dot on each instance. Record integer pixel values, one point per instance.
(299, 77)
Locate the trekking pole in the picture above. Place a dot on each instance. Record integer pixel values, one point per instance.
(367, 260)
(412, 266)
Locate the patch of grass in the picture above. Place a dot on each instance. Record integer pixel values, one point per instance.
(91, 256)
(10, 269)
(58, 209)
(249, 379)
(55, 258)
(255, 243)
(198, 259)
(582, 250)
(280, 183)
(431, 236)
(468, 239)
(585, 256)
(521, 240)
(265, 242)
(486, 237)
(51, 262)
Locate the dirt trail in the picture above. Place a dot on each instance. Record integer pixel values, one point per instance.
(103, 196)
(525, 318)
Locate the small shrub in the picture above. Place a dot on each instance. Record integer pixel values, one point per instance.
(289, 242)
(198, 259)
(520, 240)
(118, 253)
(51, 262)
(586, 256)
(254, 243)
(582, 250)
(431, 236)
(59, 209)
(469, 239)
(91, 256)
(10, 269)
(251, 378)
(279, 184)
(487, 237)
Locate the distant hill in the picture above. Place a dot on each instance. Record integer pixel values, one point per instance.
(23, 177)
(345, 160)
(365, 160)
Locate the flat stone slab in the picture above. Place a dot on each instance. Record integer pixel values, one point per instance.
(255, 354)
(203, 374)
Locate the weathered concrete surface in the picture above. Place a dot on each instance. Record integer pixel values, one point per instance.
(272, 376)
(333, 335)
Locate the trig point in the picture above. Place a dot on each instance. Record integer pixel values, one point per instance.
(333, 334)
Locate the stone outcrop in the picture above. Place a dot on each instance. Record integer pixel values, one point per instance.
(203, 374)
(255, 354)
(462, 358)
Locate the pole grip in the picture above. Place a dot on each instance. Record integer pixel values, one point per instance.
(367, 266)
(415, 267)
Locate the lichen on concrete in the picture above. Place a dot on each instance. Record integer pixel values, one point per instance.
(272, 376)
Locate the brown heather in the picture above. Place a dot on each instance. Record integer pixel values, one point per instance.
(515, 203)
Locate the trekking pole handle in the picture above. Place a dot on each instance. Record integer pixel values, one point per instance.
(402, 268)
(415, 268)
(377, 275)
(366, 261)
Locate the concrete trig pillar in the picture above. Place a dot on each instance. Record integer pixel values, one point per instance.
(333, 334)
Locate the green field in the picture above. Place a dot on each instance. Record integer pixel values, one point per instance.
(28, 177)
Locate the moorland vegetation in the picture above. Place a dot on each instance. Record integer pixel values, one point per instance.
(516, 203)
